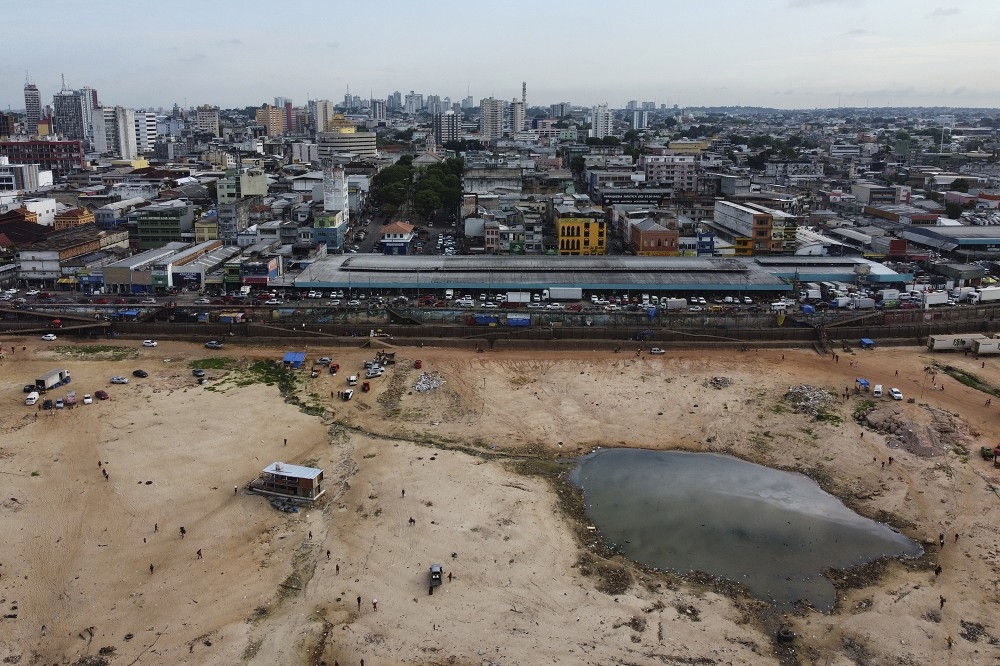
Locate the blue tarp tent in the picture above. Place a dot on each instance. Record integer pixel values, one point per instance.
(294, 359)
(867, 343)
(863, 383)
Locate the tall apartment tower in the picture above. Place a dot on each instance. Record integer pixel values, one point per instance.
(334, 188)
(33, 108)
(70, 116)
(447, 127)
(272, 118)
(600, 123)
(378, 110)
(516, 116)
(145, 131)
(114, 132)
(491, 123)
(323, 114)
(207, 119)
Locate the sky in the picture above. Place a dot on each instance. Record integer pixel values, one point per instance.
(773, 53)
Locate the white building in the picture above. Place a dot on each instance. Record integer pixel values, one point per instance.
(114, 132)
(145, 131)
(322, 114)
(491, 124)
(600, 122)
(516, 116)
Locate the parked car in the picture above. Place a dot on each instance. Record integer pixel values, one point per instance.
(28, 388)
(49, 337)
(149, 343)
(198, 372)
(326, 360)
(87, 399)
(32, 292)
(895, 394)
(48, 404)
(142, 374)
(372, 373)
(213, 344)
(272, 301)
(657, 351)
(202, 301)
(149, 301)
(59, 403)
(119, 380)
(101, 395)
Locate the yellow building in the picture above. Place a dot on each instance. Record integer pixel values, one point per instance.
(581, 231)
(689, 146)
(206, 229)
(272, 118)
(74, 217)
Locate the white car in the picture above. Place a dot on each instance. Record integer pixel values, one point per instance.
(49, 337)
(119, 380)
(149, 301)
(202, 301)
(335, 301)
(895, 394)
(149, 343)
(554, 306)
(272, 301)
(490, 306)
(656, 350)
(87, 399)
(32, 292)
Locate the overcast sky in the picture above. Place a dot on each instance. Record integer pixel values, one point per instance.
(779, 53)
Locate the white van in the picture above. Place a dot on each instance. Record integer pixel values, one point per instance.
(779, 307)
(877, 391)
(449, 294)
(352, 380)
(32, 398)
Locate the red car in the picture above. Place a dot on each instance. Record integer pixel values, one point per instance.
(101, 301)
(101, 395)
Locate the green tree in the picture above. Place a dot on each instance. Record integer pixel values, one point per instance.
(577, 165)
(959, 185)
(953, 210)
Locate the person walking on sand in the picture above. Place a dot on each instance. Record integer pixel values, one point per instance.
(359, 604)
(156, 527)
(942, 600)
(44, 631)
(941, 539)
(403, 493)
(150, 568)
(338, 570)
(183, 532)
(328, 554)
(937, 571)
(199, 553)
(375, 604)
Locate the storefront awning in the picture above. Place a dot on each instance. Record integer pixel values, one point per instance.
(66, 280)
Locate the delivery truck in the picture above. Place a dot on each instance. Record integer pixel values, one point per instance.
(986, 347)
(953, 342)
(673, 304)
(841, 302)
(985, 295)
(565, 293)
(931, 298)
(515, 298)
(961, 293)
(52, 379)
(889, 294)
(862, 304)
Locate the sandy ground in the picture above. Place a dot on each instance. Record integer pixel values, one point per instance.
(276, 588)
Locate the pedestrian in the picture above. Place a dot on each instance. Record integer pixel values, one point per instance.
(874, 459)
(286, 441)
(883, 464)
(956, 537)
(937, 571)
(404, 492)
(449, 576)
(359, 603)
(950, 641)
(327, 554)
(782, 357)
(890, 460)
(310, 534)
(43, 626)
(375, 604)
(235, 489)
(412, 521)
(942, 600)
(183, 532)
(862, 434)
(897, 373)
(150, 568)
(942, 386)
(98, 464)
(156, 527)
(338, 570)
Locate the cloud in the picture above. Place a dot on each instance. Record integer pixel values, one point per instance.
(858, 32)
(805, 4)
(944, 11)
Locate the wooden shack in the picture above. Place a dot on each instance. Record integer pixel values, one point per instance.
(295, 481)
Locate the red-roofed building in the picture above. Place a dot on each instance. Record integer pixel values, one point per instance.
(396, 238)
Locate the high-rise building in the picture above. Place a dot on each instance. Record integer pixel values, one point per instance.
(516, 116)
(32, 108)
(413, 103)
(145, 131)
(378, 110)
(491, 121)
(447, 127)
(8, 122)
(343, 137)
(289, 115)
(394, 101)
(468, 103)
(114, 132)
(600, 122)
(272, 118)
(640, 119)
(70, 115)
(207, 119)
(322, 114)
(560, 110)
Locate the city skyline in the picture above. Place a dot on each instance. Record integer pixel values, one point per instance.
(771, 53)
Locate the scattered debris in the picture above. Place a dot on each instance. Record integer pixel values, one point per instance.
(428, 381)
(806, 399)
(718, 382)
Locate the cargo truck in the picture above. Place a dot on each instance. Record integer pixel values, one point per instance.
(889, 294)
(986, 347)
(961, 293)
(673, 303)
(953, 342)
(565, 293)
(862, 304)
(934, 298)
(841, 302)
(517, 297)
(51, 380)
(985, 295)
(810, 295)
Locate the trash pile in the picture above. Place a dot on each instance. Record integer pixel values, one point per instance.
(806, 399)
(718, 382)
(428, 381)
(284, 505)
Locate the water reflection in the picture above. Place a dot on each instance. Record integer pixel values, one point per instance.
(770, 530)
